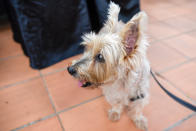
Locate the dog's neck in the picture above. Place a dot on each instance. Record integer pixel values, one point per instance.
(127, 77)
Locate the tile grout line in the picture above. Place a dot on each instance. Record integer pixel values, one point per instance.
(177, 51)
(180, 122)
(172, 17)
(32, 78)
(55, 71)
(55, 114)
(20, 82)
(182, 92)
(177, 65)
(51, 100)
(34, 122)
(176, 27)
(185, 15)
(173, 36)
(77, 105)
(10, 57)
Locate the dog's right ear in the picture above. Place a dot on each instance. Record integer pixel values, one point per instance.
(112, 21)
(133, 31)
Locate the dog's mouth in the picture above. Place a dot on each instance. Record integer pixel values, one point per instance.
(84, 83)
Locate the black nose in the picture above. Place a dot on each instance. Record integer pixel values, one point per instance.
(71, 70)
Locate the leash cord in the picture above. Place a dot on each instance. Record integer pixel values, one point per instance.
(177, 99)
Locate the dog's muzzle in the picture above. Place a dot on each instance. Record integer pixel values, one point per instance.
(72, 71)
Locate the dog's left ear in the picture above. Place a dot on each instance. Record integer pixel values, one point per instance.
(133, 31)
(112, 18)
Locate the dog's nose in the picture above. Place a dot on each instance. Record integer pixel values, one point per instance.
(71, 70)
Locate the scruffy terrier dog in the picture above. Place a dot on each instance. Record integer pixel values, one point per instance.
(115, 60)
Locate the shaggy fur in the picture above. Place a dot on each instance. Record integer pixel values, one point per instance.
(115, 60)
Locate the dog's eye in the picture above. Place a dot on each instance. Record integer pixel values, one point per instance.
(99, 58)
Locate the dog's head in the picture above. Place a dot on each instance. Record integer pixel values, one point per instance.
(116, 46)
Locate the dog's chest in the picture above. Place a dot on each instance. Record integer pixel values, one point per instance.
(115, 93)
(122, 90)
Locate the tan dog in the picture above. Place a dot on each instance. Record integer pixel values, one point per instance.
(115, 59)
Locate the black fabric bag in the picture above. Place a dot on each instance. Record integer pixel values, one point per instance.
(50, 30)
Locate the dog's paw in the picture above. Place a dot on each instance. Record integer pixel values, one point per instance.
(113, 115)
(141, 123)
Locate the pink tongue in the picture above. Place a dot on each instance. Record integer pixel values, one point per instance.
(80, 83)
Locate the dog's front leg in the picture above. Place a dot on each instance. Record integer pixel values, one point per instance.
(115, 112)
(135, 113)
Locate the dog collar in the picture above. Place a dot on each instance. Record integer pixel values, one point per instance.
(136, 98)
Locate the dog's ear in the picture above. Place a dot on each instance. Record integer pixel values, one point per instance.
(112, 21)
(133, 31)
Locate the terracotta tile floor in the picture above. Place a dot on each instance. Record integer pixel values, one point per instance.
(50, 100)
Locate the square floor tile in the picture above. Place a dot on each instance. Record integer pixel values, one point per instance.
(15, 69)
(51, 124)
(23, 103)
(184, 77)
(187, 125)
(184, 44)
(162, 57)
(65, 91)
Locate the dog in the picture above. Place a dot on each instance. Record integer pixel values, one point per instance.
(115, 60)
